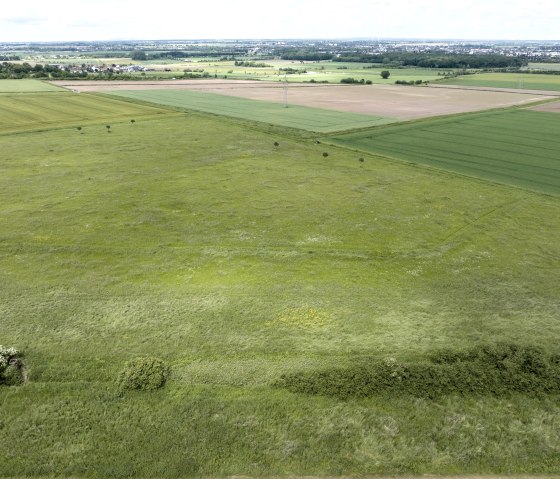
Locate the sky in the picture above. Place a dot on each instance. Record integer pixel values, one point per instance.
(67, 20)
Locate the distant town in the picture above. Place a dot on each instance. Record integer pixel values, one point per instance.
(135, 58)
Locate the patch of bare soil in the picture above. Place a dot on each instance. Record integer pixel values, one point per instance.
(550, 107)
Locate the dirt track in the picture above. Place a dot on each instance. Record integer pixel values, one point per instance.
(394, 101)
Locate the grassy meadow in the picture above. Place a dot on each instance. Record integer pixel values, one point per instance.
(324, 71)
(526, 81)
(295, 116)
(516, 146)
(197, 240)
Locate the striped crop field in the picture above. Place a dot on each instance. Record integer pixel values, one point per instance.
(33, 111)
(525, 81)
(295, 116)
(517, 147)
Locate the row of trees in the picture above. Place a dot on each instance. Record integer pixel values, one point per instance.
(241, 63)
(221, 53)
(304, 55)
(437, 59)
(432, 59)
(25, 70)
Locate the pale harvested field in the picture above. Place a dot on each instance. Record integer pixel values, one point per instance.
(524, 91)
(394, 101)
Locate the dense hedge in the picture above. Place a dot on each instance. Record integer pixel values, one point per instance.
(497, 369)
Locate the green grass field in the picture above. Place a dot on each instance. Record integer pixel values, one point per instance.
(21, 112)
(295, 116)
(197, 240)
(519, 147)
(526, 81)
(331, 72)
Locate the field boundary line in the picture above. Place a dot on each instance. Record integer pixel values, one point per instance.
(73, 125)
(414, 121)
(479, 218)
(389, 158)
(423, 476)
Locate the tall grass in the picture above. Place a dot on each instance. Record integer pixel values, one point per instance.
(196, 240)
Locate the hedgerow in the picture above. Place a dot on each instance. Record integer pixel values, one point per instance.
(498, 369)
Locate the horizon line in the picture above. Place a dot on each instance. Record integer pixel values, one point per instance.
(271, 39)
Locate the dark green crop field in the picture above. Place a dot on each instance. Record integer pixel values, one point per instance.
(249, 263)
(295, 116)
(518, 147)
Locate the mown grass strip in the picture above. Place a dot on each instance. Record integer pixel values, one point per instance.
(34, 111)
(295, 116)
(28, 86)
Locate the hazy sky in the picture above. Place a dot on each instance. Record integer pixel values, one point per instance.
(41, 20)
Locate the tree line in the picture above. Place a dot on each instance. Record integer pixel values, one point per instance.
(434, 59)
(437, 59)
(25, 70)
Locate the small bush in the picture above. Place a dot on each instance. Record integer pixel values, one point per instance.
(352, 80)
(325, 154)
(145, 373)
(12, 376)
(11, 367)
(5, 355)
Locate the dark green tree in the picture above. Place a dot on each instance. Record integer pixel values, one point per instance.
(138, 55)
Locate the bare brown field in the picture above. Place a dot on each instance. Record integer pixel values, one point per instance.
(550, 107)
(394, 101)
